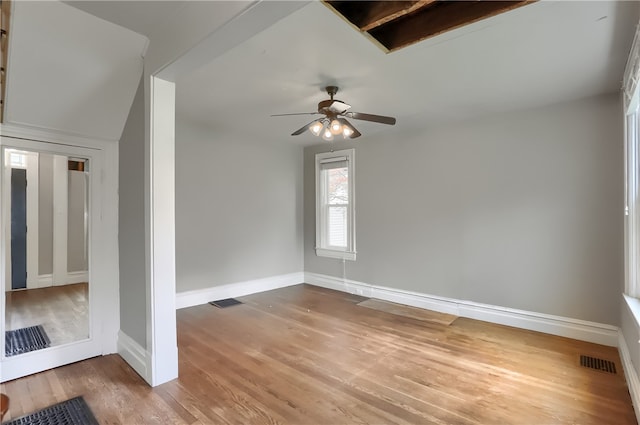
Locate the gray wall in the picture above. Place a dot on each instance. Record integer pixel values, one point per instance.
(238, 208)
(45, 214)
(76, 248)
(521, 210)
(76, 257)
(131, 224)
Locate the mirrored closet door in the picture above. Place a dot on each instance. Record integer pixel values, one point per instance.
(46, 200)
(50, 315)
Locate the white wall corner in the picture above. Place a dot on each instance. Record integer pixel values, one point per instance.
(160, 241)
(630, 374)
(597, 333)
(133, 354)
(238, 289)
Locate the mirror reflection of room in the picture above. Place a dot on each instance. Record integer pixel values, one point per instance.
(45, 196)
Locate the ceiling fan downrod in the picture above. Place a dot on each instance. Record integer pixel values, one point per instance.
(331, 90)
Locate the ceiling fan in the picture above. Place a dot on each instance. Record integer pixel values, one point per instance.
(333, 123)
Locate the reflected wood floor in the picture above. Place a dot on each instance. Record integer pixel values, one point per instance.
(63, 311)
(307, 355)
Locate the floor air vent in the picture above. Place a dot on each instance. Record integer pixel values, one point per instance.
(598, 364)
(227, 302)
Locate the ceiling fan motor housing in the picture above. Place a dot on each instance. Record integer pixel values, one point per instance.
(332, 107)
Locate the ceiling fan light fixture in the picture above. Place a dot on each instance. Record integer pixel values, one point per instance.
(335, 127)
(316, 128)
(333, 122)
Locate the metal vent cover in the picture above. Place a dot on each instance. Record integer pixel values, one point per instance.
(598, 364)
(227, 302)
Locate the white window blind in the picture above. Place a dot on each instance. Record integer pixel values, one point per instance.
(336, 201)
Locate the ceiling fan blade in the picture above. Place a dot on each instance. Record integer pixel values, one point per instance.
(303, 129)
(296, 113)
(355, 133)
(370, 117)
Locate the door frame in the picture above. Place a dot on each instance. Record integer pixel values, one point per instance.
(103, 251)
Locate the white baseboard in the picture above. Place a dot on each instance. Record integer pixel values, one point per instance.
(77, 277)
(555, 325)
(44, 280)
(238, 289)
(630, 374)
(133, 354)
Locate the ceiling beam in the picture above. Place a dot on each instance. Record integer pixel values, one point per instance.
(396, 24)
(386, 12)
(442, 16)
(367, 15)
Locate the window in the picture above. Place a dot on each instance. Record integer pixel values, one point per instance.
(631, 97)
(17, 160)
(632, 212)
(335, 218)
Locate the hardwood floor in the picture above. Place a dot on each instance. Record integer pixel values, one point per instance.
(306, 355)
(63, 311)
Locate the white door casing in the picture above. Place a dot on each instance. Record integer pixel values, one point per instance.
(60, 219)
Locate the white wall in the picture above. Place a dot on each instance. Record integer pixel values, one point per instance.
(521, 210)
(131, 223)
(238, 208)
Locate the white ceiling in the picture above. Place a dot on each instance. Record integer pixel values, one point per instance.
(544, 53)
(143, 17)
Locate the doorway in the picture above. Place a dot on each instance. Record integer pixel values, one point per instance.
(18, 228)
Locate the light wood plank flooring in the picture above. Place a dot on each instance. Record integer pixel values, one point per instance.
(63, 311)
(306, 355)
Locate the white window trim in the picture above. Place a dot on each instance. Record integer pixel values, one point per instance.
(334, 252)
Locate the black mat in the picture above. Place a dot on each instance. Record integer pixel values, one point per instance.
(227, 302)
(24, 340)
(70, 412)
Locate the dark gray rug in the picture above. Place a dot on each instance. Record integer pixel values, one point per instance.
(70, 412)
(24, 340)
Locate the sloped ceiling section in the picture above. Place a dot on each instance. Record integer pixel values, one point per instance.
(71, 72)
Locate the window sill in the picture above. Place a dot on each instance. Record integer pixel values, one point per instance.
(341, 255)
(634, 307)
